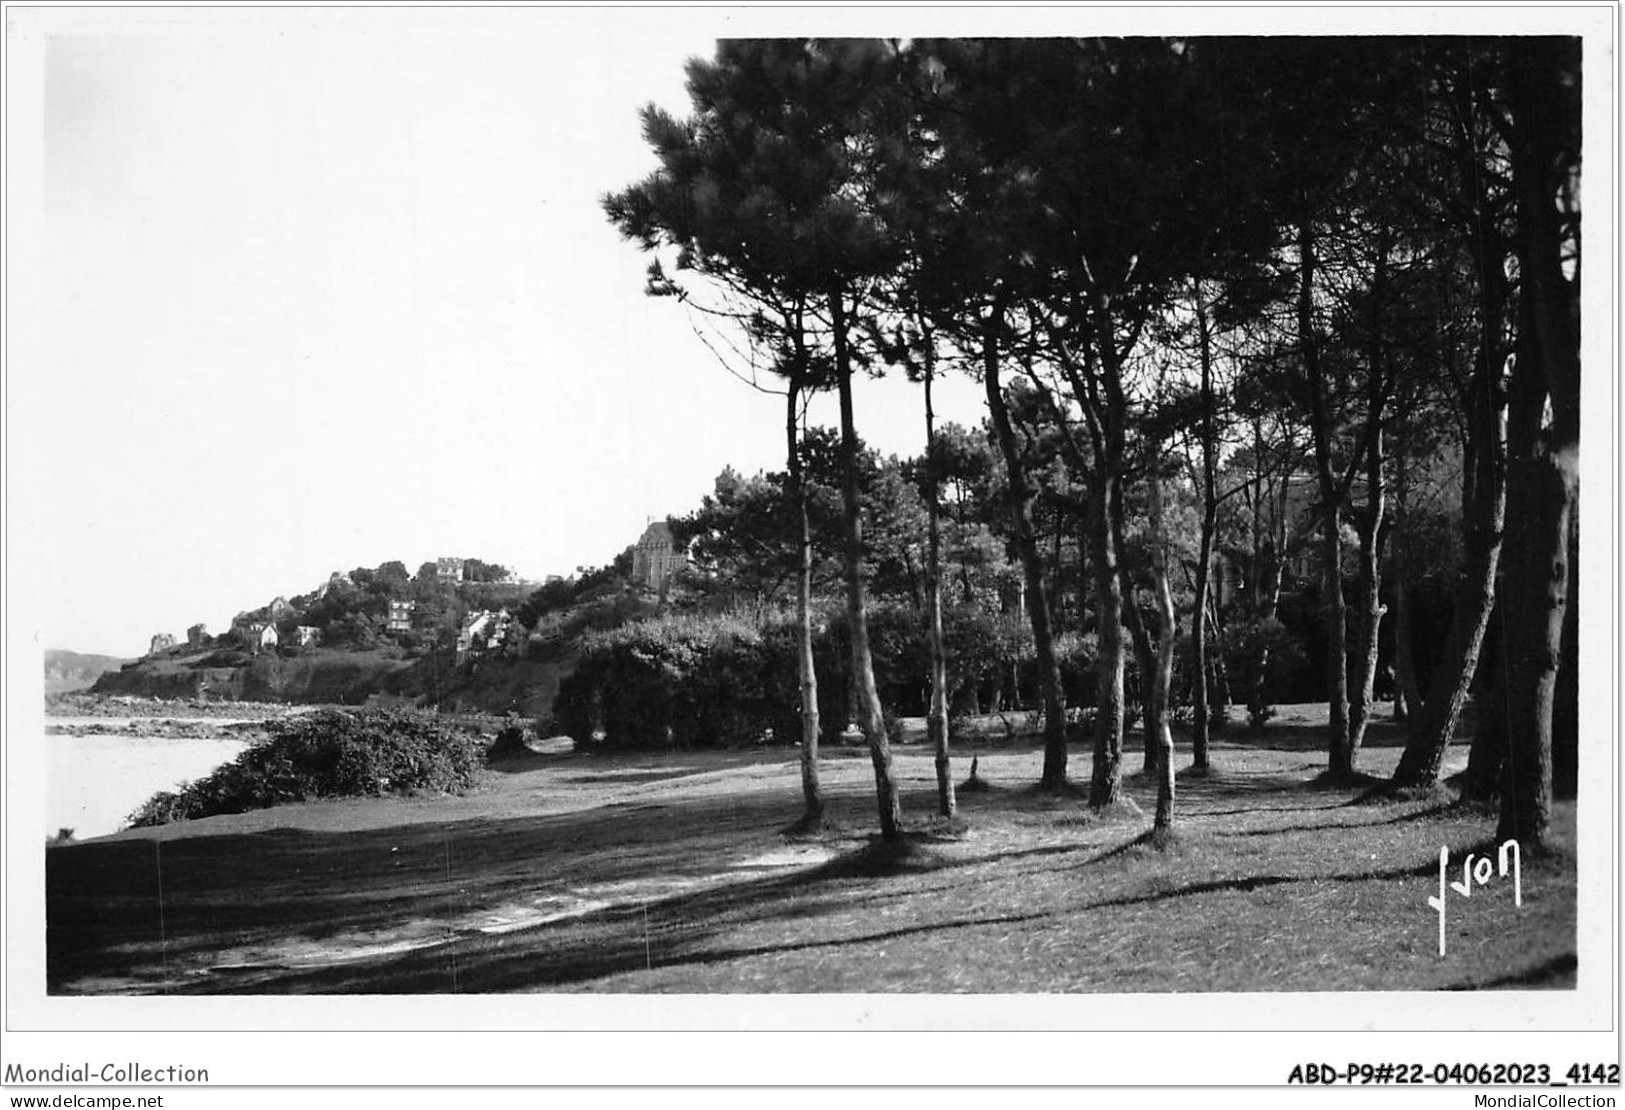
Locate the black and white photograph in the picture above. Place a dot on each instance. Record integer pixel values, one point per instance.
(594, 519)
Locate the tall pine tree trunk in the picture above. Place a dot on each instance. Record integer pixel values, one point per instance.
(1219, 699)
(936, 721)
(1340, 757)
(1106, 777)
(1434, 727)
(1105, 783)
(1158, 735)
(1372, 523)
(1140, 637)
(1536, 568)
(1407, 690)
(870, 718)
(1146, 656)
(1566, 710)
(1257, 702)
(1543, 419)
(1481, 781)
(1484, 505)
(812, 795)
(1022, 495)
(1369, 631)
(1541, 478)
(1201, 725)
(1204, 559)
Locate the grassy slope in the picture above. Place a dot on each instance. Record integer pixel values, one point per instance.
(669, 873)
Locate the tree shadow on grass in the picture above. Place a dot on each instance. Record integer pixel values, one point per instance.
(1245, 811)
(1358, 782)
(1428, 814)
(154, 914)
(530, 762)
(675, 932)
(162, 912)
(1559, 972)
(1219, 786)
(910, 854)
(1224, 784)
(1298, 736)
(632, 778)
(154, 898)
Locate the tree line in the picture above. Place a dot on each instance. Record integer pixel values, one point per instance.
(1210, 286)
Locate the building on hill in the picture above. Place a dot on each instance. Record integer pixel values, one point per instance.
(473, 626)
(400, 616)
(449, 570)
(308, 635)
(197, 636)
(472, 636)
(485, 631)
(163, 641)
(260, 636)
(280, 608)
(656, 558)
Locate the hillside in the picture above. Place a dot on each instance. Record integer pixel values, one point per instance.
(66, 671)
(320, 676)
(325, 676)
(382, 636)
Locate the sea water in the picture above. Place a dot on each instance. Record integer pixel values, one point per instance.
(93, 783)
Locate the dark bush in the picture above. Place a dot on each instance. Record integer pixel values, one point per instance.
(688, 680)
(575, 704)
(1075, 654)
(512, 742)
(989, 659)
(1246, 643)
(707, 679)
(332, 753)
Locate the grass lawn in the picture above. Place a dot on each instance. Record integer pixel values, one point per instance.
(672, 873)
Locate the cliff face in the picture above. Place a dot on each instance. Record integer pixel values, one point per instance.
(317, 677)
(343, 678)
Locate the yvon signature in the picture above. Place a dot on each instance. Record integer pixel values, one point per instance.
(1477, 870)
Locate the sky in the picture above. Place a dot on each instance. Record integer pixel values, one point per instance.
(322, 292)
(294, 291)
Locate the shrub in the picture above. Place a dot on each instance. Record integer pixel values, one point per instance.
(1246, 642)
(680, 680)
(332, 753)
(985, 652)
(1076, 654)
(702, 679)
(512, 742)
